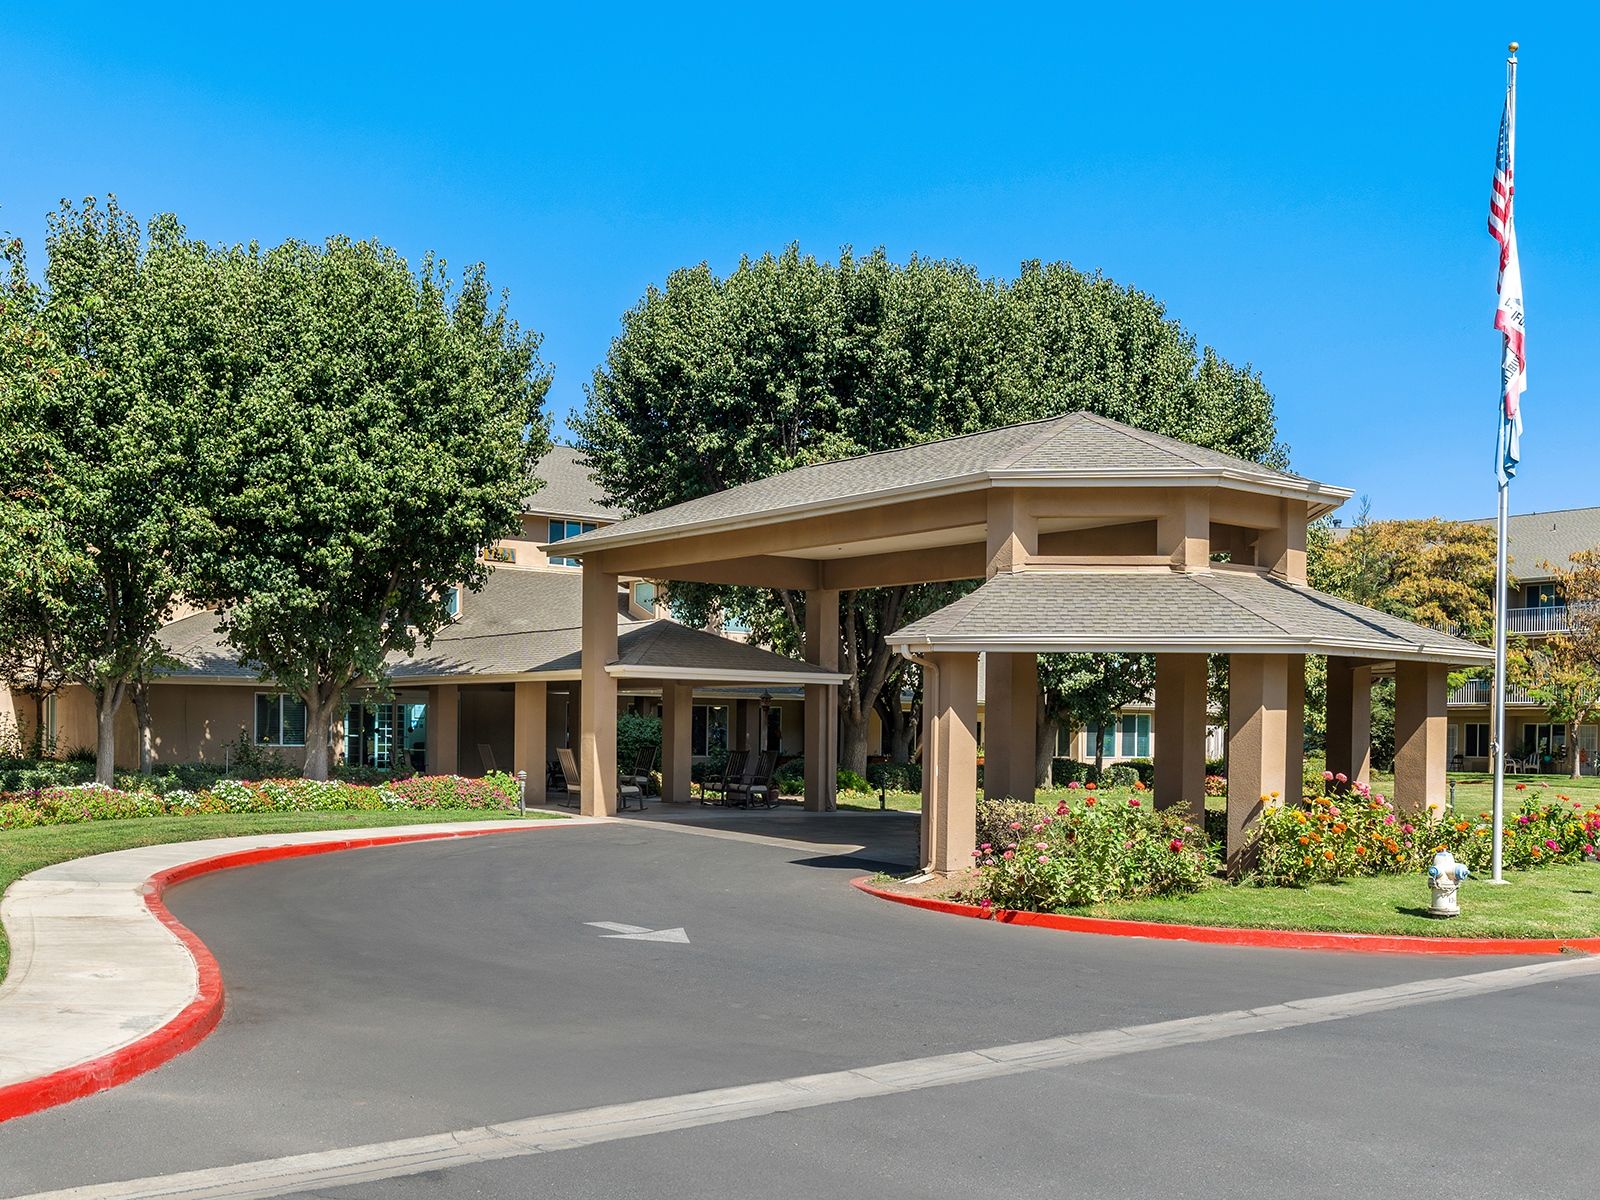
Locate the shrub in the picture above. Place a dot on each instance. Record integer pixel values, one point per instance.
(1311, 772)
(1069, 770)
(1216, 785)
(1106, 848)
(849, 781)
(898, 777)
(1217, 767)
(1119, 775)
(247, 760)
(1145, 768)
(791, 777)
(636, 734)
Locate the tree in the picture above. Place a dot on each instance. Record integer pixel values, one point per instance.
(383, 432)
(101, 415)
(715, 381)
(1086, 690)
(1562, 671)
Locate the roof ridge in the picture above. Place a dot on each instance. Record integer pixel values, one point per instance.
(1045, 435)
(1208, 580)
(1164, 441)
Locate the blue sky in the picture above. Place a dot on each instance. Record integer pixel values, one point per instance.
(1306, 191)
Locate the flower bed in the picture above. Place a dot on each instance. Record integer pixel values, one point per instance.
(495, 792)
(1355, 831)
(1104, 847)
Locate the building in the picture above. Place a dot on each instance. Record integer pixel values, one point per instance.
(1536, 542)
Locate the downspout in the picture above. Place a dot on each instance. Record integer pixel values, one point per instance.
(930, 756)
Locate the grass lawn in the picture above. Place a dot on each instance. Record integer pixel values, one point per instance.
(898, 801)
(1561, 901)
(25, 850)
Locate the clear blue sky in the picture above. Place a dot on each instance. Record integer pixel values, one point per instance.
(1306, 190)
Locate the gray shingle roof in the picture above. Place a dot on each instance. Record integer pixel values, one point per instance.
(523, 622)
(1153, 610)
(1547, 537)
(1078, 443)
(569, 490)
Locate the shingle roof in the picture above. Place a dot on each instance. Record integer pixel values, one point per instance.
(1077, 444)
(1547, 537)
(569, 490)
(1150, 610)
(522, 623)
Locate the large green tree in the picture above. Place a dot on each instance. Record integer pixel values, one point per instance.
(718, 380)
(1086, 690)
(102, 415)
(383, 432)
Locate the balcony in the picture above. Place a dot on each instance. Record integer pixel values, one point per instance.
(1550, 619)
(1481, 691)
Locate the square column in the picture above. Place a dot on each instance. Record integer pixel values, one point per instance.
(1350, 718)
(1294, 767)
(822, 702)
(1258, 740)
(1010, 725)
(677, 724)
(597, 725)
(1180, 734)
(1183, 532)
(1421, 691)
(950, 762)
(444, 729)
(529, 751)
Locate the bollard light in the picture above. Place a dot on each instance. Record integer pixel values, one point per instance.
(1444, 881)
(522, 793)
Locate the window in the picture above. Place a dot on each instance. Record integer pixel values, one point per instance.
(1544, 740)
(774, 729)
(378, 735)
(644, 596)
(1477, 740)
(708, 732)
(561, 530)
(1133, 738)
(452, 602)
(280, 720)
(1543, 595)
(51, 729)
(499, 554)
(1107, 736)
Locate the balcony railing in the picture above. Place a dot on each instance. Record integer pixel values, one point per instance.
(1481, 691)
(1552, 619)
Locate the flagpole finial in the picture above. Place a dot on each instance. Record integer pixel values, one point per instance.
(1512, 47)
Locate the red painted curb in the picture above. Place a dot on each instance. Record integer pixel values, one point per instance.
(1279, 939)
(200, 1016)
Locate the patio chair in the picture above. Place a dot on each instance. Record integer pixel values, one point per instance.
(716, 783)
(643, 764)
(756, 791)
(569, 772)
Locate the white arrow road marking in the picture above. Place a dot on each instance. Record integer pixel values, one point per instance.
(638, 933)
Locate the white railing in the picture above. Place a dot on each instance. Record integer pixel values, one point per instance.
(1481, 691)
(1552, 619)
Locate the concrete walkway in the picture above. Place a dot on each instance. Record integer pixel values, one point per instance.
(96, 974)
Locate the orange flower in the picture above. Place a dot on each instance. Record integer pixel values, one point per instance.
(1304, 840)
(1361, 849)
(1328, 854)
(1339, 828)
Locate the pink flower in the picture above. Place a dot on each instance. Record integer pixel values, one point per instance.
(1009, 854)
(986, 847)
(1175, 845)
(1523, 819)
(1341, 777)
(1551, 845)
(977, 854)
(1041, 845)
(1388, 819)
(985, 903)
(1061, 809)
(1133, 804)
(1588, 848)
(1044, 858)
(1407, 829)
(1016, 825)
(1327, 776)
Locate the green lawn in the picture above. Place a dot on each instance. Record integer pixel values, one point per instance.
(1559, 901)
(25, 850)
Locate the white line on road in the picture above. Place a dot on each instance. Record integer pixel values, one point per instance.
(615, 1122)
(640, 933)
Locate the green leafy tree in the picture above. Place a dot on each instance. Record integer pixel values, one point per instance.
(715, 381)
(1086, 690)
(102, 413)
(383, 432)
(1562, 671)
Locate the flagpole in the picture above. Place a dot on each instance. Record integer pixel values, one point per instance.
(1501, 586)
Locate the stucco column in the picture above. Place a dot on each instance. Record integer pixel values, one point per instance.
(529, 720)
(1010, 724)
(1294, 748)
(950, 764)
(1420, 717)
(1258, 737)
(822, 702)
(677, 724)
(444, 729)
(1183, 532)
(1180, 734)
(1282, 549)
(1350, 718)
(597, 727)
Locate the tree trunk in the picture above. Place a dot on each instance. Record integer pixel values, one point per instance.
(141, 708)
(853, 731)
(1044, 746)
(107, 700)
(319, 734)
(36, 743)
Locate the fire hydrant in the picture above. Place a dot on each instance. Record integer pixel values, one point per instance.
(1444, 879)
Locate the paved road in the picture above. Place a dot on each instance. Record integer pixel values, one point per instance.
(391, 993)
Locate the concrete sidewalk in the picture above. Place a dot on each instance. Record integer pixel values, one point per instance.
(96, 974)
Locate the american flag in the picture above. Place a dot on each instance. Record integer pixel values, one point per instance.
(1508, 317)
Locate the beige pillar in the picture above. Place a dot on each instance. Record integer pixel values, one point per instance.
(444, 729)
(1282, 549)
(1180, 734)
(1258, 736)
(1350, 718)
(1183, 532)
(1010, 724)
(1013, 532)
(1420, 694)
(822, 702)
(950, 763)
(529, 720)
(677, 723)
(1294, 748)
(597, 727)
